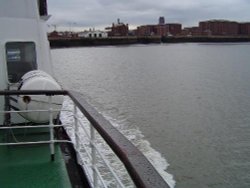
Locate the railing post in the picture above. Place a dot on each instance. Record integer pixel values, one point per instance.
(76, 129)
(51, 130)
(93, 155)
(7, 116)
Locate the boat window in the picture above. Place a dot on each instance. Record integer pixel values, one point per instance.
(42, 7)
(20, 58)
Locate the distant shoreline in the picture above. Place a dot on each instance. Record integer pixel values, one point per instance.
(77, 42)
(206, 39)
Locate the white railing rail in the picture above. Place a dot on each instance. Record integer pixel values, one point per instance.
(50, 125)
(90, 136)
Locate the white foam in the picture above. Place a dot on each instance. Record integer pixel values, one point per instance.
(132, 134)
(156, 159)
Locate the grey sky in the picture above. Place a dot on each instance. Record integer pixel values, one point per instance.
(101, 13)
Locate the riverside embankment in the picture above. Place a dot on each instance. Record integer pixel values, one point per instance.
(77, 42)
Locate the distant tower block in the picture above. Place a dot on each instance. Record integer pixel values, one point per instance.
(161, 20)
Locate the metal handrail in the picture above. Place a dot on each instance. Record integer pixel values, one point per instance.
(105, 161)
(35, 143)
(31, 126)
(51, 127)
(139, 168)
(26, 111)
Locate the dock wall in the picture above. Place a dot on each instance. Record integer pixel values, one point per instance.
(77, 42)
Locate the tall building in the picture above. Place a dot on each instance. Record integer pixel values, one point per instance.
(161, 20)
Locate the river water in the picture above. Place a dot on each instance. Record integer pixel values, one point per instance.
(190, 101)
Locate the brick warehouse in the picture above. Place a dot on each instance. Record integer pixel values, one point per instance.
(118, 29)
(160, 30)
(219, 27)
(244, 28)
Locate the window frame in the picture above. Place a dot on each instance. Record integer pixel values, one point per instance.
(32, 63)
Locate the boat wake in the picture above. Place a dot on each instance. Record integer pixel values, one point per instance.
(132, 134)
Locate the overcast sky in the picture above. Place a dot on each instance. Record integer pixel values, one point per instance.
(101, 13)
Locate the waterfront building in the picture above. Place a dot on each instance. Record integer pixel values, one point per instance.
(173, 28)
(146, 30)
(161, 30)
(191, 31)
(244, 28)
(219, 27)
(54, 34)
(62, 34)
(118, 29)
(169, 29)
(93, 34)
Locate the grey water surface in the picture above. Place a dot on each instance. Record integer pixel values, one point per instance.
(191, 102)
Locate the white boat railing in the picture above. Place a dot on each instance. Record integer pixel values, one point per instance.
(90, 135)
(94, 173)
(88, 141)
